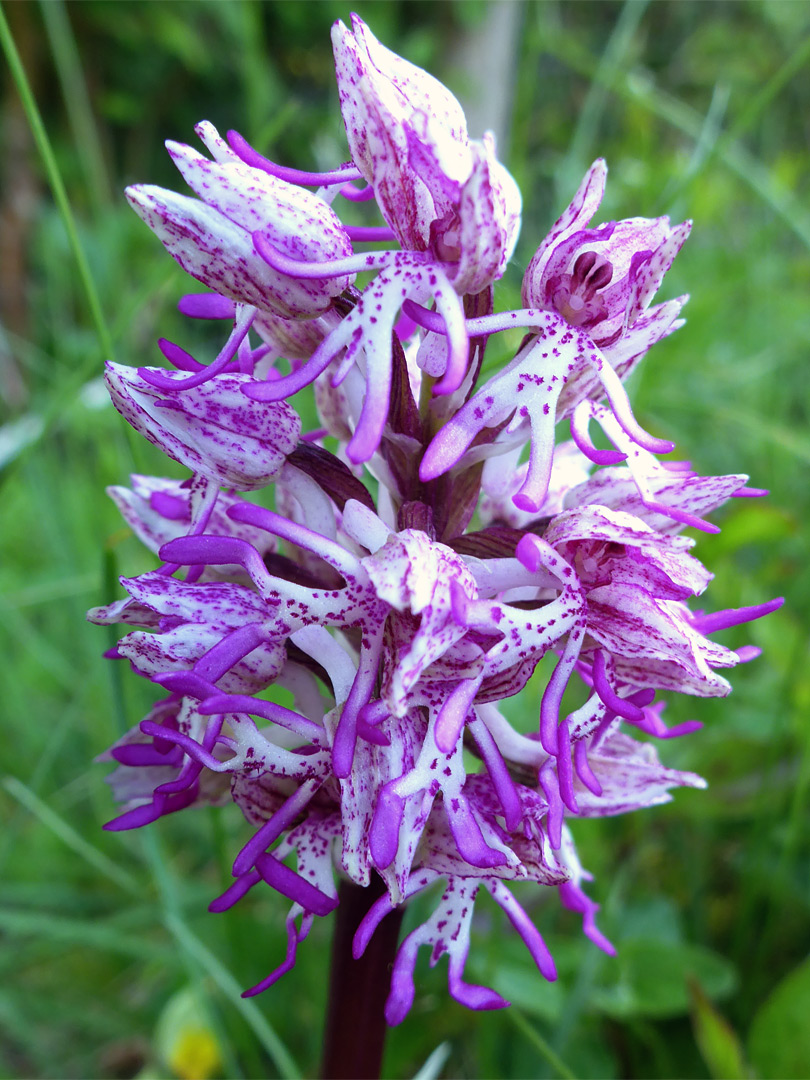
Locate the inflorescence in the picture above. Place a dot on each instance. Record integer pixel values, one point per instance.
(409, 579)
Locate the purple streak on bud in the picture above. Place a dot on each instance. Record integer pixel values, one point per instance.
(750, 493)
(206, 306)
(385, 826)
(235, 892)
(294, 887)
(551, 789)
(721, 620)
(181, 359)
(243, 150)
(621, 706)
(575, 900)
(499, 773)
(583, 768)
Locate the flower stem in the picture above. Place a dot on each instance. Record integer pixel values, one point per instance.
(355, 1024)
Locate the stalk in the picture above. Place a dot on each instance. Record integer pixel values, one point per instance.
(354, 1036)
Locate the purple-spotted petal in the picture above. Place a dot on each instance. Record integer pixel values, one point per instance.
(631, 777)
(211, 238)
(212, 428)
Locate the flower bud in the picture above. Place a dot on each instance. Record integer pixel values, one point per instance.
(439, 191)
(213, 428)
(212, 239)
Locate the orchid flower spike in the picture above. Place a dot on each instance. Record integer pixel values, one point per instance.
(432, 537)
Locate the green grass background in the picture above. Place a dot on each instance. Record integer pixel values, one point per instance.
(109, 964)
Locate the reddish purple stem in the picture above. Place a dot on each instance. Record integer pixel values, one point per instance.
(355, 1023)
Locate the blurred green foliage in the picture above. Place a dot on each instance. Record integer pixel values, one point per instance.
(109, 958)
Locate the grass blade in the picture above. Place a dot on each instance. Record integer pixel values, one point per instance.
(633, 86)
(539, 1043)
(432, 1068)
(68, 835)
(77, 101)
(230, 988)
(85, 932)
(607, 70)
(32, 113)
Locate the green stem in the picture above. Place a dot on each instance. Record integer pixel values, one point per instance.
(77, 101)
(536, 1039)
(426, 395)
(55, 180)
